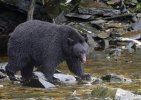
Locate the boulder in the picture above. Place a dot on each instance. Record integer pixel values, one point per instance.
(114, 93)
(116, 78)
(39, 80)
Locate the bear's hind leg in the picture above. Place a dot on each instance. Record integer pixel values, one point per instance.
(14, 65)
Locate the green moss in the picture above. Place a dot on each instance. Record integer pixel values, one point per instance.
(138, 8)
(104, 92)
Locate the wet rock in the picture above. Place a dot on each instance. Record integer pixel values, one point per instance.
(103, 34)
(133, 35)
(134, 18)
(114, 53)
(114, 35)
(2, 66)
(1, 86)
(126, 95)
(136, 42)
(84, 28)
(131, 47)
(2, 70)
(100, 21)
(112, 2)
(98, 24)
(96, 81)
(112, 24)
(118, 4)
(92, 45)
(100, 43)
(39, 80)
(114, 93)
(64, 78)
(2, 75)
(139, 15)
(131, 2)
(120, 17)
(93, 81)
(99, 11)
(136, 26)
(79, 16)
(115, 78)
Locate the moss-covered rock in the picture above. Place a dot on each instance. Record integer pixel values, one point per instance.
(103, 92)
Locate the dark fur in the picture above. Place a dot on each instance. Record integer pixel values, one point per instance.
(38, 43)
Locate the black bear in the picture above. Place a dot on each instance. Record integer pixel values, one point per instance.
(37, 43)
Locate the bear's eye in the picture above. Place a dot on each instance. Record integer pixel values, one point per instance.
(82, 52)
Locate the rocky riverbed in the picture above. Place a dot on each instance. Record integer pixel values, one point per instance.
(113, 28)
(123, 72)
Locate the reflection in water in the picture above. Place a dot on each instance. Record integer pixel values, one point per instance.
(127, 64)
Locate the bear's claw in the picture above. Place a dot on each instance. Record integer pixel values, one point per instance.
(12, 76)
(86, 77)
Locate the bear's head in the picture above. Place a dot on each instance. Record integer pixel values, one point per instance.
(78, 49)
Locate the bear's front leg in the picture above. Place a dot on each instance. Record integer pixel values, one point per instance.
(76, 67)
(48, 70)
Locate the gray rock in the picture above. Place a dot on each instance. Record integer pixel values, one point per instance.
(79, 16)
(21, 4)
(99, 11)
(126, 95)
(112, 2)
(39, 80)
(96, 81)
(136, 26)
(98, 23)
(2, 75)
(139, 15)
(93, 81)
(2, 65)
(2, 70)
(115, 78)
(114, 94)
(131, 2)
(64, 78)
(42, 80)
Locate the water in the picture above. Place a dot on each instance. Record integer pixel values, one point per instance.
(127, 64)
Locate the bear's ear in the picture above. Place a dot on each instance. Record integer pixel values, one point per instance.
(70, 41)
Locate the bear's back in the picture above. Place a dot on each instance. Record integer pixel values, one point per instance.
(34, 29)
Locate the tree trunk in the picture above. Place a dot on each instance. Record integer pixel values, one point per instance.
(31, 10)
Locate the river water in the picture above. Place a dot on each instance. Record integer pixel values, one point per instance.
(100, 63)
